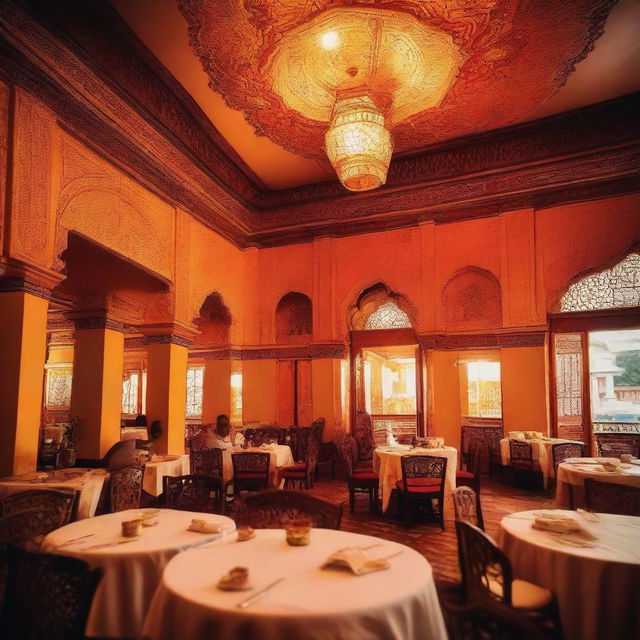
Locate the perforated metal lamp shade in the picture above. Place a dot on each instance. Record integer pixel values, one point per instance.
(358, 144)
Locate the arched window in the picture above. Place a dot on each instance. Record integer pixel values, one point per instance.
(388, 316)
(614, 288)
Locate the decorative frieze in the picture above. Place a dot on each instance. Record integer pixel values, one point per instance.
(482, 341)
(24, 285)
(313, 351)
(98, 322)
(170, 338)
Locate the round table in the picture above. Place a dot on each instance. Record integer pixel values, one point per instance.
(598, 588)
(387, 464)
(570, 481)
(132, 570)
(310, 604)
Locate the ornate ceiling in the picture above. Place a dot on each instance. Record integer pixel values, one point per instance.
(485, 63)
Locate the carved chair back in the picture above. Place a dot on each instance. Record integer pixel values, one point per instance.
(273, 509)
(617, 449)
(206, 462)
(250, 464)
(466, 503)
(48, 596)
(563, 450)
(607, 497)
(417, 469)
(189, 493)
(521, 453)
(126, 488)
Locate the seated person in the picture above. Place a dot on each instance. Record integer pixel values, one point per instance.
(128, 453)
(211, 436)
(154, 432)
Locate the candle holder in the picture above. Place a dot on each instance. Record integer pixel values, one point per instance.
(298, 532)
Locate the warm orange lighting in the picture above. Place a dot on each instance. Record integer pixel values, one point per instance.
(358, 144)
(330, 40)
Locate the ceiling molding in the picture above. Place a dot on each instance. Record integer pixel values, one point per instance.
(146, 124)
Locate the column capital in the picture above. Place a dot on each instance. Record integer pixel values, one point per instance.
(16, 276)
(176, 332)
(94, 320)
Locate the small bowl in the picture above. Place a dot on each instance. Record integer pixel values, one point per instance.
(298, 532)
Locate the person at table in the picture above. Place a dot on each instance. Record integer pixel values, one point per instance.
(129, 453)
(154, 432)
(211, 436)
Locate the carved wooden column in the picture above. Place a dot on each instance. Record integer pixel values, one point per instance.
(23, 336)
(96, 392)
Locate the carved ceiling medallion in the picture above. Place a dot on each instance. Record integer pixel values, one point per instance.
(433, 70)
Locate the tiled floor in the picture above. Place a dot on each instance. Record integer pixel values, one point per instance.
(440, 548)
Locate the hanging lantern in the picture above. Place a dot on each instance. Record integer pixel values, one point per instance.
(358, 144)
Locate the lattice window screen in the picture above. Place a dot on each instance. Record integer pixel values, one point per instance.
(195, 385)
(388, 316)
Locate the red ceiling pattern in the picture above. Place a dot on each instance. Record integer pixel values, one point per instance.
(518, 54)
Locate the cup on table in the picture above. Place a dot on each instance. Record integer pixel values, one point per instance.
(132, 528)
(298, 532)
(626, 457)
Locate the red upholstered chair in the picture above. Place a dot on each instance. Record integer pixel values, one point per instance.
(422, 482)
(526, 470)
(608, 497)
(471, 477)
(359, 480)
(250, 471)
(302, 473)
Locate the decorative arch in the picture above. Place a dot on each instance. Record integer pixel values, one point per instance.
(378, 307)
(294, 319)
(612, 286)
(472, 299)
(214, 321)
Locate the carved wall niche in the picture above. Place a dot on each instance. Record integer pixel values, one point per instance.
(392, 310)
(471, 299)
(294, 319)
(214, 321)
(107, 207)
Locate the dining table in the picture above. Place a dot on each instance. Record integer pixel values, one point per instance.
(132, 566)
(573, 471)
(387, 463)
(596, 579)
(162, 465)
(541, 452)
(302, 600)
(88, 483)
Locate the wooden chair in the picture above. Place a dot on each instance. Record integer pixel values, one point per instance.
(617, 449)
(608, 497)
(250, 471)
(422, 481)
(526, 470)
(192, 493)
(31, 515)
(302, 473)
(126, 488)
(48, 596)
(487, 619)
(495, 462)
(563, 450)
(467, 507)
(273, 509)
(359, 480)
(471, 477)
(487, 575)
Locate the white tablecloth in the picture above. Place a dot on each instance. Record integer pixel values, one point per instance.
(89, 482)
(280, 454)
(162, 466)
(598, 588)
(132, 571)
(570, 485)
(388, 466)
(540, 450)
(310, 604)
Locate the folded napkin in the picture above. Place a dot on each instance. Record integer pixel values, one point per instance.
(268, 447)
(357, 560)
(202, 526)
(560, 523)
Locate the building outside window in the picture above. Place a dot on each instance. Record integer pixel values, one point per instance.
(484, 396)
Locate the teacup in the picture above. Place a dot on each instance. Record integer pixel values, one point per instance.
(626, 457)
(298, 532)
(132, 528)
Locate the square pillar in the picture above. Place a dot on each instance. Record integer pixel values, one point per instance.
(329, 395)
(216, 393)
(167, 389)
(23, 343)
(96, 392)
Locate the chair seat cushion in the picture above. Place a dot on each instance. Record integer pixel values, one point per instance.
(364, 475)
(294, 475)
(298, 466)
(464, 475)
(524, 595)
(420, 485)
(250, 476)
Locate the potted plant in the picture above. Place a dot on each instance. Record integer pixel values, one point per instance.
(73, 432)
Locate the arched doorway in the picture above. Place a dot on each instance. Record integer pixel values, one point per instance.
(387, 380)
(595, 354)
